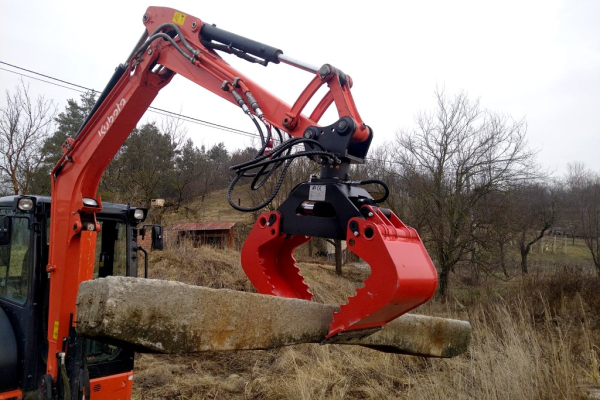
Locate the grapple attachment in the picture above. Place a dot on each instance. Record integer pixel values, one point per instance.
(402, 274)
(268, 260)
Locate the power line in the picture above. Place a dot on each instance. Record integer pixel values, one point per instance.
(41, 80)
(45, 76)
(155, 110)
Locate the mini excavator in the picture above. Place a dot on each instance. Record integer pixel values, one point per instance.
(330, 205)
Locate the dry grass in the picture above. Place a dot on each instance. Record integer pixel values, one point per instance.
(533, 338)
(214, 207)
(202, 266)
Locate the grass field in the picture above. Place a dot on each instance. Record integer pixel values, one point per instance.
(213, 208)
(534, 337)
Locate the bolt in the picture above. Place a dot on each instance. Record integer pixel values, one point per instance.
(308, 134)
(356, 233)
(149, 52)
(90, 227)
(194, 25)
(146, 17)
(370, 214)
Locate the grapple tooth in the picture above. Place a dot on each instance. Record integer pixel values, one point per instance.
(268, 261)
(402, 274)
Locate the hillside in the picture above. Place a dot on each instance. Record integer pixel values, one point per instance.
(214, 207)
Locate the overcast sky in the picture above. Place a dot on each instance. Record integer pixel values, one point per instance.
(534, 59)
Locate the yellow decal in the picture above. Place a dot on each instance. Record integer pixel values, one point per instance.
(179, 18)
(55, 334)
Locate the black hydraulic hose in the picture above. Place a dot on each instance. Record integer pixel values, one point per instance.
(264, 203)
(380, 183)
(277, 157)
(137, 46)
(66, 386)
(156, 34)
(273, 159)
(264, 142)
(264, 172)
(279, 149)
(279, 134)
(255, 185)
(168, 38)
(287, 157)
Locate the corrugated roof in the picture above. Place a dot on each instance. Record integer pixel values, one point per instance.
(202, 226)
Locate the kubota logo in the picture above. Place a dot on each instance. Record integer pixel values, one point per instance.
(111, 118)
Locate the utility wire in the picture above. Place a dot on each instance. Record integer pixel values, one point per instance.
(41, 80)
(155, 110)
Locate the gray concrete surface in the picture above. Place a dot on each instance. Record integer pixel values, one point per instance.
(172, 317)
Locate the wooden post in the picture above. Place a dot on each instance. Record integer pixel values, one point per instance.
(338, 256)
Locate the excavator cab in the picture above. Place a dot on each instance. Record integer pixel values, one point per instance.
(24, 296)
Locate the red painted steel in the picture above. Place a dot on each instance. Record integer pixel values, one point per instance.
(268, 260)
(114, 387)
(13, 394)
(73, 226)
(402, 274)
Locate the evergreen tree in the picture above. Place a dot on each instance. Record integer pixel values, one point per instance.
(68, 123)
(143, 169)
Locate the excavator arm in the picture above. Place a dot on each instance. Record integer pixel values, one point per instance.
(330, 206)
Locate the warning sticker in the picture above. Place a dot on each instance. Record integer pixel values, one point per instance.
(179, 18)
(317, 193)
(55, 333)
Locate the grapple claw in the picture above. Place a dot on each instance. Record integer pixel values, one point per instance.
(268, 259)
(402, 274)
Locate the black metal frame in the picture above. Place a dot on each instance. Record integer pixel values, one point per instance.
(328, 217)
(30, 320)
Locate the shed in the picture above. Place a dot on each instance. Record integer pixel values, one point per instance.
(220, 234)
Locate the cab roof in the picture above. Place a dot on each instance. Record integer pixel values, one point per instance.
(107, 208)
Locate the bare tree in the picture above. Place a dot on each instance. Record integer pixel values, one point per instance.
(534, 213)
(450, 161)
(584, 187)
(25, 123)
(380, 165)
(495, 215)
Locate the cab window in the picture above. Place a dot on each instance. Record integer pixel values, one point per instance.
(111, 259)
(14, 262)
(111, 249)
